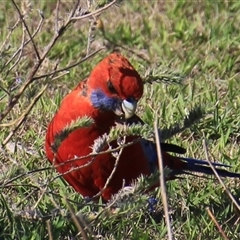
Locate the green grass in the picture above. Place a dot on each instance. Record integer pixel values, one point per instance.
(198, 40)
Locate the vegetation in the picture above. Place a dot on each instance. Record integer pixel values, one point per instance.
(187, 53)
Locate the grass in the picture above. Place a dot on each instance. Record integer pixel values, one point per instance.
(196, 40)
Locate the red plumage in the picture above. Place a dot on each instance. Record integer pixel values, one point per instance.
(112, 90)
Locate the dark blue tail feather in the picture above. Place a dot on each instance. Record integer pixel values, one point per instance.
(202, 166)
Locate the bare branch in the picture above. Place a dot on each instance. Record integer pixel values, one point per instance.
(25, 43)
(22, 118)
(27, 29)
(112, 173)
(163, 182)
(9, 35)
(57, 16)
(79, 222)
(95, 12)
(216, 223)
(70, 66)
(20, 52)
(219, 179)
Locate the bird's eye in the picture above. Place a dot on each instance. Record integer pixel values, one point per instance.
(111, 87)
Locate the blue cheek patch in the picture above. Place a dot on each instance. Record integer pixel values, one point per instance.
(101, 101)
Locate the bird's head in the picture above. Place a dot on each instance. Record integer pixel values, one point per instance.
(114, 85)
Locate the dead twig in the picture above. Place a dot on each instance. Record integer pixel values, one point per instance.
(216, 223)
(79, 222)
(95, 12)
(219, 179)
(27, 29)
(70, 66)
(163, 182)
(112, 173)
(22, 118)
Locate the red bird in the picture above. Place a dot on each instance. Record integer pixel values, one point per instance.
(110, 92)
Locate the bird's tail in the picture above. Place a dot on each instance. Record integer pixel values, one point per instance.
(202, 166)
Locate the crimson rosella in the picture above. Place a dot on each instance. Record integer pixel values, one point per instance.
(111, 92)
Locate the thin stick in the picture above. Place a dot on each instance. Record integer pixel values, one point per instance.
(27, 29)
(24, 115)
(112, 173)
(21, 51)
(25, 43)
(95, 12)
(49, 229)
(216, 223)
(81, 225)
(70, 66)
(162, 182)
(9, 35)
(219, 179)
(57, 16)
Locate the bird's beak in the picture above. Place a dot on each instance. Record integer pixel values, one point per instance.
(129, 107)
(126, 108)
